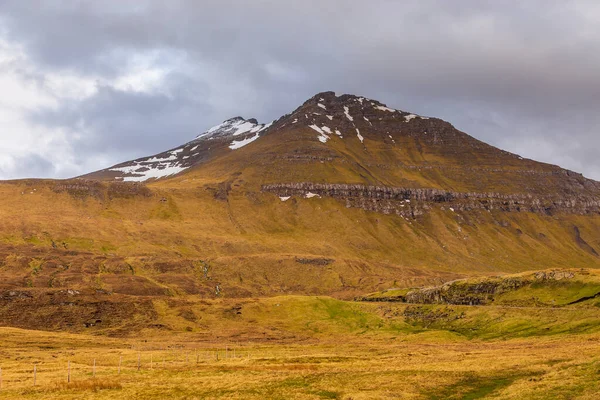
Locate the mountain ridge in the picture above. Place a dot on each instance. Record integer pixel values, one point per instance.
(313, 113)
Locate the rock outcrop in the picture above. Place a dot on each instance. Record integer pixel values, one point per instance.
(412, 202)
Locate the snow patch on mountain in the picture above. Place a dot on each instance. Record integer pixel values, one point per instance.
(347, 112)
(383, 108)
(144, 170)
(323, 137)
(172, 157)
(232, 127)
(409, 117)
(257, 128)
(237, 144)
(316, 128)
(359, 136)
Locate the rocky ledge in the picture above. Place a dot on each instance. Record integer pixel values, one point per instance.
(412, 202)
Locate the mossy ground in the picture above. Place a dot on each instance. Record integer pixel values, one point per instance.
(550, 288)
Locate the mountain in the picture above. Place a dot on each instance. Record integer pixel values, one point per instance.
(343, 196)
(389, 157)
(350, 139)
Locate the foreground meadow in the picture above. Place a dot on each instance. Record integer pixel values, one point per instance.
(311, 348)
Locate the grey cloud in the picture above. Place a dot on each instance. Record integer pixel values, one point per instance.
(36, 165)
(512, 73)
(123, 123)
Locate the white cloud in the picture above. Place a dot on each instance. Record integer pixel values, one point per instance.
(21, 140)
(27, 88)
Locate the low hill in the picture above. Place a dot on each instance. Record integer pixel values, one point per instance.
(549, 288)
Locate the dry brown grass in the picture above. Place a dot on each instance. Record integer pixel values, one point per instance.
(425, 368)
(318, 348)
(93, 385)
(142, 246)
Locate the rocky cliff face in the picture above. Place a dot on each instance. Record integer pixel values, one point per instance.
(412, 202)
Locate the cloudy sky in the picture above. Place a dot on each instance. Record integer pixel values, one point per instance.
(86, 84)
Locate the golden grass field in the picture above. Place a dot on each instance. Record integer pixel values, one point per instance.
(305, 347)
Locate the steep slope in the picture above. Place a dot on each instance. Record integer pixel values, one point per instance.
(342, 196)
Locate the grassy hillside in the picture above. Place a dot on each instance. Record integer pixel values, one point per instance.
(186, 240)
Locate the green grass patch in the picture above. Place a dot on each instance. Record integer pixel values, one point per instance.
(472, 388)
(551, 293)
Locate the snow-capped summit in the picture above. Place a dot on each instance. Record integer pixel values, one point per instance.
(231, 134)
(232, 127)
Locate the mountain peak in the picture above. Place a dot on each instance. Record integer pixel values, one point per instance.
(330, 97)
(322, 96)
(349, 115)
(232, 127)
